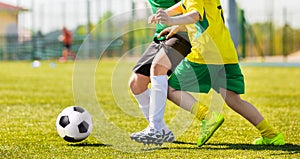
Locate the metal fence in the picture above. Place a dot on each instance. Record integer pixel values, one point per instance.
(38, 47)
(44, 48)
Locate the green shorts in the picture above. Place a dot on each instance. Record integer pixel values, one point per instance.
(194, 77)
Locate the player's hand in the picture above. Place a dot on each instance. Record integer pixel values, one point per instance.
(151, 19)
(162, 17)
(170, 31)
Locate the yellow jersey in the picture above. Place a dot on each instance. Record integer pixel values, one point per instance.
(210, 38)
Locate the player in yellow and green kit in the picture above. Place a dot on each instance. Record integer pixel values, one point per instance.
(212, 63)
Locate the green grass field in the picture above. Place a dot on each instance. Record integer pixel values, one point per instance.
(32, 98)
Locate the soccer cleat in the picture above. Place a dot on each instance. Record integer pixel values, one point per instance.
(136, 135)
(208, 127)
(278, 140)
(148, 136)
(169, 137)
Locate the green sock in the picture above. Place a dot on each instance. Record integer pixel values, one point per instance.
(266, 129)
(199, 110)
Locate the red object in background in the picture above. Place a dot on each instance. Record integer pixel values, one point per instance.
(67, 36)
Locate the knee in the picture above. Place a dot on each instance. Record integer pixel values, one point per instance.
(133, 82)
(231, 98)
(233, 101)
(159, 69)
(138, 83)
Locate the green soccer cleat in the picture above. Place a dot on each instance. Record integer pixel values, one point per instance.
(278, 140)
(208, 127)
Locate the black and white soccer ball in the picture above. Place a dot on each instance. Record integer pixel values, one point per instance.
(74, 124)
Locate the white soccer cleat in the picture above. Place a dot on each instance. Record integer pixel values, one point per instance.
(148, 136)
(169, 137)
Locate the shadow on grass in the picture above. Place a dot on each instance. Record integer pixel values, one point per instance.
(290, 148)
(148, 148)
(89, 145)
(230, 146)
(286, 147)
(184, 143)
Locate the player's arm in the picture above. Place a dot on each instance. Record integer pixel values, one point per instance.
(184, 19)
(195, 12)
(170, 31)
(172, 11)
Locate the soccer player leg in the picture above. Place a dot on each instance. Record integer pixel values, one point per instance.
(184, 78)
(208, 124)
(138, 84)
(159, 86)
(211, 120)
(230, 93)
(155, 132)
(268, 134)
(144, 101)
(140, 79)
(65, 54)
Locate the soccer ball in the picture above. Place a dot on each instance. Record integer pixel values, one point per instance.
(74, 124)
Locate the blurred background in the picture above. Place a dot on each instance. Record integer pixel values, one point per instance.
(29, 29)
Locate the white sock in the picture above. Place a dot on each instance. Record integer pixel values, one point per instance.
(144, 102)
(164, 126)
(158, 100)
